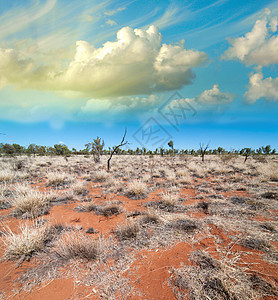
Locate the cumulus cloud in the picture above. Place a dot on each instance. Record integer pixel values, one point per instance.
(257, 47)
(136, 63)
(215, 96)
(262, 88)
(208, 99)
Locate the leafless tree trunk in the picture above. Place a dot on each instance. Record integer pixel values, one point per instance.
(115, 148)
(203, 150)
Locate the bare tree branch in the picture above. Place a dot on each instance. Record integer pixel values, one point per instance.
(115, 149)
(203, 150)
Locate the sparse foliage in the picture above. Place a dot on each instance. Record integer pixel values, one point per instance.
(96, 148)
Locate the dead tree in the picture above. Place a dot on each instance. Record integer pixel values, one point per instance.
(115, 149)
(203, 150)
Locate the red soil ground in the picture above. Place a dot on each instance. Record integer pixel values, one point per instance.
(150, 271)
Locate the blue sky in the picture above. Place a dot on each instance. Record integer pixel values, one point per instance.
(190, 71)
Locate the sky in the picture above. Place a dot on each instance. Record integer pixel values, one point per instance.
(188, 71)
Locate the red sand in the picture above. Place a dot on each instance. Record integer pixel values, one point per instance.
(150, 271)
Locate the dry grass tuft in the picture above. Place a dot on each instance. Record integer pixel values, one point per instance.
(4, 197)
(109, 209)
(185, 225)
(170, 198)
(151, 217)
(254, 243)
(137, 189)
(266, 288)
(211, 279)
(7, 176)
(31, 204)
(86, 207)
(23, 245)
(79, 188)
(127, 231)
(101, 175)
(56, 178)
(268, 172)
(76, 246)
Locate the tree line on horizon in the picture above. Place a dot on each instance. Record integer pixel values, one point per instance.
(96, 148)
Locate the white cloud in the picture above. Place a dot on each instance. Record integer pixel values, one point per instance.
(208, 99)
(17, 19)
(257, 47)
(173, 15)
(136, 63)
(111, 22)
(262, 88)
(215, 96)
(112, 12)
(117, 105)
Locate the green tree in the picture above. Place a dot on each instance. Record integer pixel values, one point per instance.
(31, 149)
(266, 149)
(41, 150)
(96, 148)
(61, 149)
(18, 149)
(171, 146)
(220, 150)
(9, 149)
(245, 152)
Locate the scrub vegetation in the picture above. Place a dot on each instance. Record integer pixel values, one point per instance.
(199, 228)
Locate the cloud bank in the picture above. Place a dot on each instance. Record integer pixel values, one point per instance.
(136, 63)
(33, 106)
(257, 47)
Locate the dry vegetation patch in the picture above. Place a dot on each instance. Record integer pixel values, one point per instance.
(59, 178)
(76, 246)
(31, 204)
(24, 244)
(210, 205)
(137, 189)
(5, 194)
(209, 278)
(127, 231)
